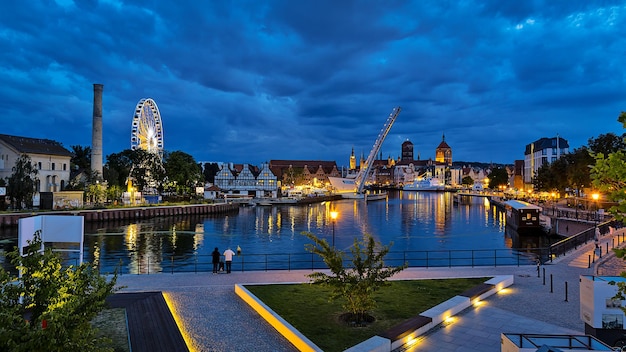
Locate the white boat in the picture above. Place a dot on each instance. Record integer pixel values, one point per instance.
(376, 196)
(425, 184)
(343, 184)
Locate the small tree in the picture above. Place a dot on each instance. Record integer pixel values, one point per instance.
(184, 172)
(114, 193)
(81, 157)
(21, 186)
(96, 193)
(467, 181)
(357, 284)
(498, 177)
(48, 307)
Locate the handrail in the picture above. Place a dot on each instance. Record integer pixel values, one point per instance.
(573, 242)
(168, 263)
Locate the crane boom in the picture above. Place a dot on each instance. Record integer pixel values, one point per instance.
(364, 172)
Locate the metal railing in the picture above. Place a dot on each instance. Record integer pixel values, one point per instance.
(169, 263)
(573, 242)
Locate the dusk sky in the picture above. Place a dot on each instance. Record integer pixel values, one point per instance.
(251, 81)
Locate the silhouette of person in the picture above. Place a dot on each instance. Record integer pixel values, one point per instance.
(228, 258)
(216, 260)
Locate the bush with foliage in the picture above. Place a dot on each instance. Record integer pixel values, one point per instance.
(355, 284)
(48, 307)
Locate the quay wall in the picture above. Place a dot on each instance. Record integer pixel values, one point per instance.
(134, 213)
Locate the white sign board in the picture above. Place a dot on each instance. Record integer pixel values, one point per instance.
(54, 229)
(597, 306)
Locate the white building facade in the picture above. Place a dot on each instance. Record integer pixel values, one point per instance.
(541, 152)
(50, 158)
(247, 180)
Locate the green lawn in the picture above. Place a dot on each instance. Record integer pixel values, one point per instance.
(306, 307)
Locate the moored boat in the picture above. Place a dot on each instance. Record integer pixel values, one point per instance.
(376, 196)
(523, 217)
(425, 184)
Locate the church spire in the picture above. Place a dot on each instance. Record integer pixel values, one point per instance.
(352, 160)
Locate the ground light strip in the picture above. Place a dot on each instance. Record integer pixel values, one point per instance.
(179, 322)
(301, 342)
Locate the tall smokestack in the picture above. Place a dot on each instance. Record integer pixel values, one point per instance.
(96, 133)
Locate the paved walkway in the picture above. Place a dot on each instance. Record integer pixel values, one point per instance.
(215, 319)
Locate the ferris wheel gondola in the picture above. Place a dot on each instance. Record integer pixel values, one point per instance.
(147, 128)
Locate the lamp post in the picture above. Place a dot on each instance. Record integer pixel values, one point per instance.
(333, 217)
(595, 197)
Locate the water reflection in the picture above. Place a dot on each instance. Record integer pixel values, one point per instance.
(412, 221)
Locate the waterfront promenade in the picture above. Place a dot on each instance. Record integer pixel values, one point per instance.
(213, 318)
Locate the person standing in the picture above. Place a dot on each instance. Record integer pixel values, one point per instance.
(216, 260)
(228, 258)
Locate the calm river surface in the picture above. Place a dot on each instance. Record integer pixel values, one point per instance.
(412, 221)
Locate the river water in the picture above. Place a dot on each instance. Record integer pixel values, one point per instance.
(422, 224)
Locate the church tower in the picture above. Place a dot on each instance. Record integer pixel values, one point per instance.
(352, 160)
(443, 153)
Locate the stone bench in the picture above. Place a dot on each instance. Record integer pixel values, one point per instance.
(406, 327)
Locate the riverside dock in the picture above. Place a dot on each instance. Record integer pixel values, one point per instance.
(131, 213)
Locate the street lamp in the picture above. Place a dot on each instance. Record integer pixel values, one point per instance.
(595, 197)
(333, 217)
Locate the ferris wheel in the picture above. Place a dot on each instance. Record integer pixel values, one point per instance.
(147, 130)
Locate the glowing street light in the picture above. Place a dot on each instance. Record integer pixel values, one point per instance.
(595, 198)
(333, 217)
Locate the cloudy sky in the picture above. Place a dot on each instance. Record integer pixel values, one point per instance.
(251, 81)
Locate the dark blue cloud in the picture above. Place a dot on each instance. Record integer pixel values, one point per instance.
(251, 81)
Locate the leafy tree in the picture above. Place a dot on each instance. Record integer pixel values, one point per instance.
(579, 164)
(498, 177)
(571, 171)
(552, 177)
(21, 186)
(357, 284)
(147, 171)
(467, 181)
(294, 176)
(81, 158)
(114, 193)
(609, 177)
(183, 171)
(542, 181)
(145, 168)
(117, 167)
(49, 308)
(210, 170)
(607, 143)
(96, 193)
